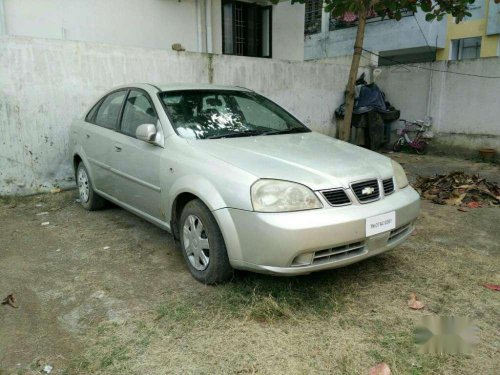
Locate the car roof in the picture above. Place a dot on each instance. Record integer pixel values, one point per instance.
(197, 86)
(181, 86)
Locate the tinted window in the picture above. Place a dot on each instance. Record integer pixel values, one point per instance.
(138, 111)
(226, 113)
(109, 111)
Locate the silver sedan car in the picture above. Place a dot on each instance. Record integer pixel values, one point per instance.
(238, 181)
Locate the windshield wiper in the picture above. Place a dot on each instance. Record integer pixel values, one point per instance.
(245, 133)
(287, 131)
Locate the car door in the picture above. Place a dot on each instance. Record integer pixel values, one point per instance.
(98, 138)
(136, 163)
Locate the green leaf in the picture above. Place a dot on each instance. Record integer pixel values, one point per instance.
(426, 6)
(430, 16)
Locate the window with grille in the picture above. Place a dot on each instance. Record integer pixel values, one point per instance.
(350, 19)
(312, 20)
(246, 29)
(467, 48)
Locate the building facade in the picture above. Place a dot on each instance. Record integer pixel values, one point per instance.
(237, 27)
(412, 39)
(476, 36)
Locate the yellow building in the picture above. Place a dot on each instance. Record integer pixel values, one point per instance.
(474, 37)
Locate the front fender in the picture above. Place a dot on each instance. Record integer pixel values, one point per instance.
(199, 186)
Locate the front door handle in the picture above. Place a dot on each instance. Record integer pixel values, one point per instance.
(118, 148)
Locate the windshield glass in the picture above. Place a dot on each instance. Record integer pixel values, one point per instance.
(202, 114)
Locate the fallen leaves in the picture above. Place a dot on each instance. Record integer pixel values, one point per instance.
(473, 205)
(414, 304)
(459, 189)
(492, 287)
(380, 369)
(10, 300)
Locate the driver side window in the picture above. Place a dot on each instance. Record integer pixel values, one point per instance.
(138, 111)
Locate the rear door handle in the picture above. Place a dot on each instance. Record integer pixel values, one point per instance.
(118, 148)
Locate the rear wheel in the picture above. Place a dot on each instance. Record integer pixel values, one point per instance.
(89, 199)
(397, 146)
(202, 244)
(422, 148)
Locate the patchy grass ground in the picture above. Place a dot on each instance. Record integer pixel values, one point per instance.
(133, 308)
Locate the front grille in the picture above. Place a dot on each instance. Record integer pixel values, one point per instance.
(397, 233)
(336, 197)
(366, 191)
(388, 186)
(339, 252)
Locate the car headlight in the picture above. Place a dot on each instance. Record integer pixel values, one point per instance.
(282, 196)
(400, 175)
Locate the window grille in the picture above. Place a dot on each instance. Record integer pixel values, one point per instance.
(312, 20)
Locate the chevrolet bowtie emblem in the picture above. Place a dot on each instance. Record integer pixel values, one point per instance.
(367, 190)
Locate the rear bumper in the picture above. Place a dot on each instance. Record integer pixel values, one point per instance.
(295, 243)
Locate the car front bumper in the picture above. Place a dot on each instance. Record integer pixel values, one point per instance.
(294, 243)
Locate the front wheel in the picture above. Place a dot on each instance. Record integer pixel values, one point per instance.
(202, 244)
(397, 146)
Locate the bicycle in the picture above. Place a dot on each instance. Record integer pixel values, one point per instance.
(417, 144)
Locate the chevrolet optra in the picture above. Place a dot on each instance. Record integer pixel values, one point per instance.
(238, 181)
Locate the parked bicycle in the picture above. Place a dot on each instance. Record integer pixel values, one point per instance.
(418, 143)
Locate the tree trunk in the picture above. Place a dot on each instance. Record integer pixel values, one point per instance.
(345, 129)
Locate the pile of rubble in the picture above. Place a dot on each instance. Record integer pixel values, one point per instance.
(459, 189)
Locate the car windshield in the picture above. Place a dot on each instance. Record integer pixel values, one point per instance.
(209, 114)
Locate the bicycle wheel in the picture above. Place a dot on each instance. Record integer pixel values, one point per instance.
(421, 148)
(397, 146)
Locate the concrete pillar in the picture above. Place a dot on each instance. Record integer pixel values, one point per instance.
(201, 30)
(3, 24)
(208, 23)
(325, 21)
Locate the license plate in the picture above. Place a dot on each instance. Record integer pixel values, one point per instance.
(380, 223)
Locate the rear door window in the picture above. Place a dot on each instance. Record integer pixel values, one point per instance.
(108, 113)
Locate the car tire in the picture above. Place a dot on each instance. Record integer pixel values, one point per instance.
(89, 199)
(202, 244)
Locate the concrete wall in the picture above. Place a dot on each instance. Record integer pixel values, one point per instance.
(465, 109)
(288, 31)
(381, 36)
(44, 84)
(143, 23)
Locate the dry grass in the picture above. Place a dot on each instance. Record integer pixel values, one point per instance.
(133, 309)
(342, 321)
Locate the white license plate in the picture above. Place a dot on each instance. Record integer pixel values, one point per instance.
(380, 223)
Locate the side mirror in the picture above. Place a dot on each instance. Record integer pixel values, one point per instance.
(146, 133)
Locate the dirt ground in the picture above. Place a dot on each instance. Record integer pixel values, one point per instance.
(106, 292)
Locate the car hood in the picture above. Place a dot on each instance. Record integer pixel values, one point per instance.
(313, 159)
